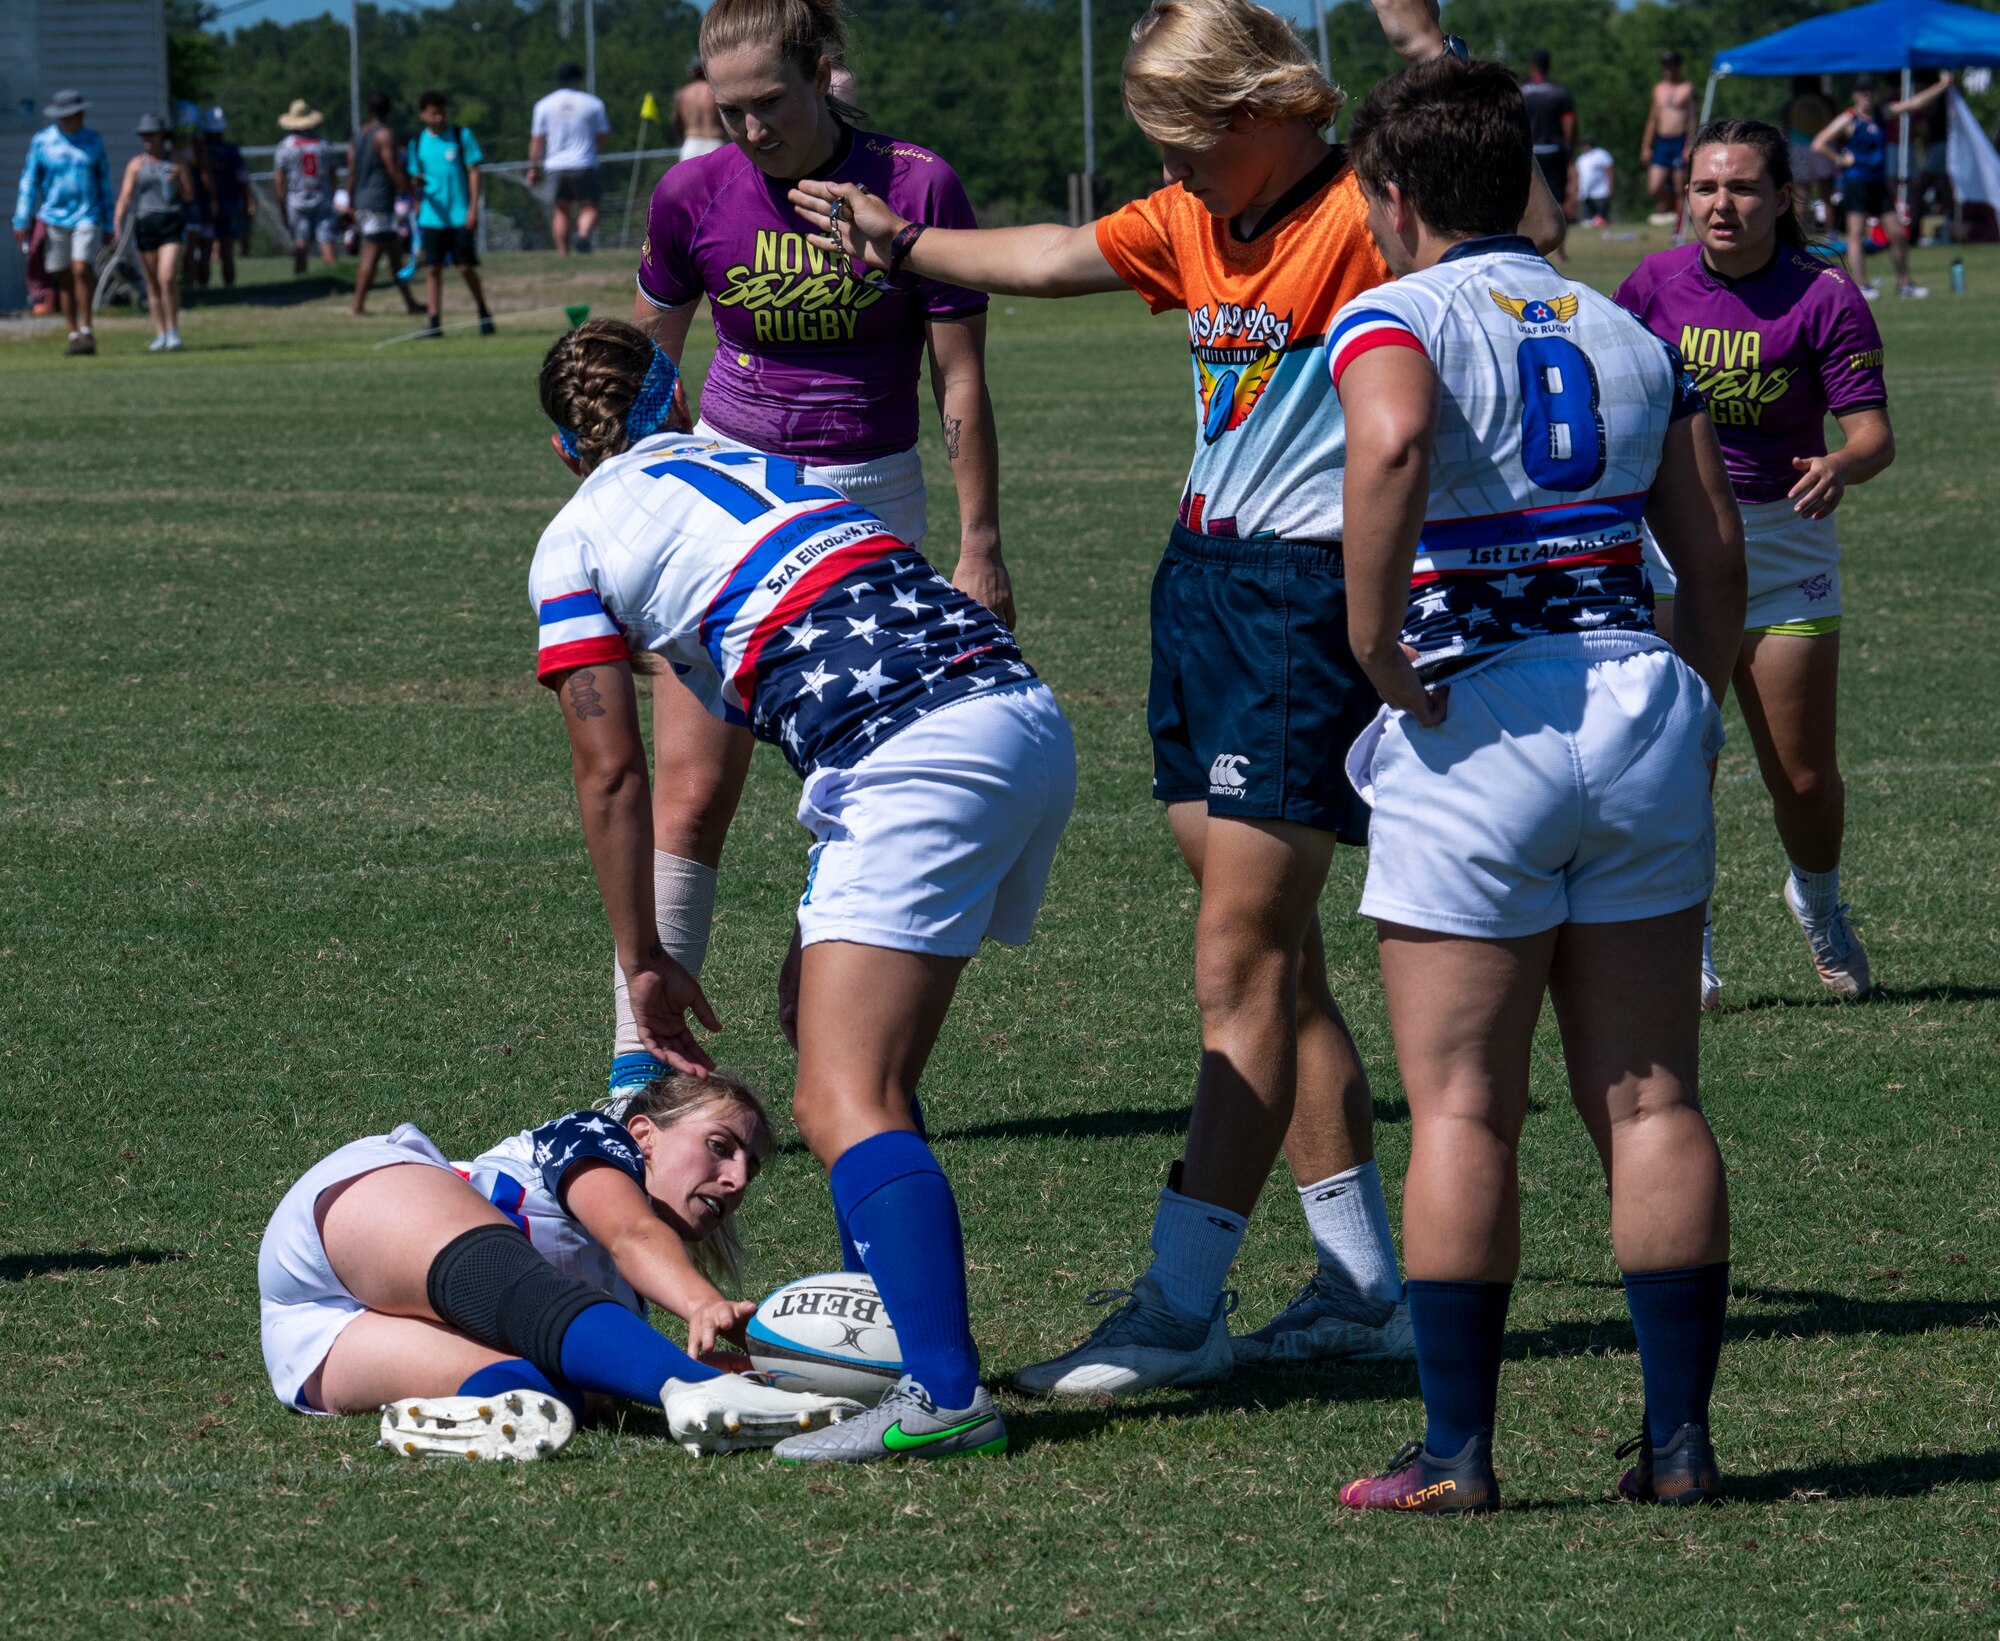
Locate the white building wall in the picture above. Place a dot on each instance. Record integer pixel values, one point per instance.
(113, 51)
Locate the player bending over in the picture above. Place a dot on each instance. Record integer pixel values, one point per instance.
(1260, 235)
(1539, 770)
(938, 771)
(475, 1303)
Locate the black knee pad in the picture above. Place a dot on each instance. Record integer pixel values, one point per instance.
(493, 1287)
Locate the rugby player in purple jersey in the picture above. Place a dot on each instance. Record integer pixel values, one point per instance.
(813, 362)
(1778, 339)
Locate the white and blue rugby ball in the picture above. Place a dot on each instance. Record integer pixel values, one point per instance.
(828, 1335)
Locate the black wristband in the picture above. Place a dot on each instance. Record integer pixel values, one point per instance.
(904, 242)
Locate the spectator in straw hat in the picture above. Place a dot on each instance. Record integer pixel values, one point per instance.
(302, 176)
(66, 187)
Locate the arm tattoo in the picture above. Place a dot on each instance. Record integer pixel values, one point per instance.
(584, 700)
(953, 426)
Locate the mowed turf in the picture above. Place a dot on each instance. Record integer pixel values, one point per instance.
(291, 856)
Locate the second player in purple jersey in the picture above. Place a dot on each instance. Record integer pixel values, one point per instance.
(809, 360)
(1773, 353)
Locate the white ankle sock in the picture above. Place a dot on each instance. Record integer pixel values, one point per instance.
(684, 910)
(1350, 1227)
(1708, 944)
(1194, 1244)
(1818, 893)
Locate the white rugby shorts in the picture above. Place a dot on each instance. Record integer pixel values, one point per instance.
(890, 487)
(1568, 783)
(67, 245)
(943, 836)
(1793, 563)
(303, 1304)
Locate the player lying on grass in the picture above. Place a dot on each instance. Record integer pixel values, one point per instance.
(938, 771)
(1539, 770)
(476, 1302)
(1259, 235)
(1780, 339)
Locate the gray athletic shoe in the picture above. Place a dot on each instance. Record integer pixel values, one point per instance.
(1144, 1344)
(905, 1424)
(1328, 1320)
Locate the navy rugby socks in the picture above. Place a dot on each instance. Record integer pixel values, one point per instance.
(1460, 1330)
(896, 1206)
(1677, 1315)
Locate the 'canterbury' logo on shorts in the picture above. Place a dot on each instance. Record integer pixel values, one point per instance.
(1225, 775)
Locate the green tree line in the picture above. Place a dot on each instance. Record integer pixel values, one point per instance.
(993, 85)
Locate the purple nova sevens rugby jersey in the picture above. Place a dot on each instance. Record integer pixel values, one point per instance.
(809, 362)
(1772, 354)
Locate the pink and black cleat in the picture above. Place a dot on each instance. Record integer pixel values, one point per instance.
(1420, 1483)
(1684, 1471)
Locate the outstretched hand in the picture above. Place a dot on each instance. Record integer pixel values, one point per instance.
(1822, 483)
(718, 1319)
(662, 994)
(845, 217)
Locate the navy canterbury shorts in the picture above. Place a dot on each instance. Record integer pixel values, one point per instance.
(1255, 695)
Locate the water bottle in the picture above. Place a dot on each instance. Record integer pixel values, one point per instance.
(1958, 276)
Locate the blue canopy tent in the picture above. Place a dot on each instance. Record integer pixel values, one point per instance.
(1905, 34)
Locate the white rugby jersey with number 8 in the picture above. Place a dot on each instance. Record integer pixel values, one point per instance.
(1554, 407)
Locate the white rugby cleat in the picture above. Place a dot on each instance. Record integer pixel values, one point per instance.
(733, 1411)
(516, 1424)
(1711, 990)
(1836, 950)
(1329, 1321)
(1144, 1344)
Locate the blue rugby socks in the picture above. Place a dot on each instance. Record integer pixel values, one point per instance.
(897, 1213)
(609, 1349)
(517, 1374)
(1677, 1315)
(1460, 1329)
(850, 1256)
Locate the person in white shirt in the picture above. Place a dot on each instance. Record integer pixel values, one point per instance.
(568, 124)
(1594, 175)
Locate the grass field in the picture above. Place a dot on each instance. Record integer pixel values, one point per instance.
(290, 856)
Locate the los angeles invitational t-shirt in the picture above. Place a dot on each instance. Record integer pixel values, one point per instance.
(810, 362)
(1270, 443)
(1773, 354)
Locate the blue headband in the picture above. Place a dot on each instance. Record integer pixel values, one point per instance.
(649, 409)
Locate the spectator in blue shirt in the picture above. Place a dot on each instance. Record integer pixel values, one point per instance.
(66, 186)
(444, 164)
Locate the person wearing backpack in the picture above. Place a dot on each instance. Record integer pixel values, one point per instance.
(444, 162)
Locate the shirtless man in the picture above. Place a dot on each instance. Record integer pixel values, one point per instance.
(695, 119)
(1663, 144)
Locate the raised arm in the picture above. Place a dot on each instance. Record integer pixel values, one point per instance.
(972, 446)
(1046, 260)
(1923, 99)
(600, 712)
(1411, 27)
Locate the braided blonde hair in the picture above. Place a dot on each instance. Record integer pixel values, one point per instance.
(588, 383)
(1195, 64)
(674, 1097)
